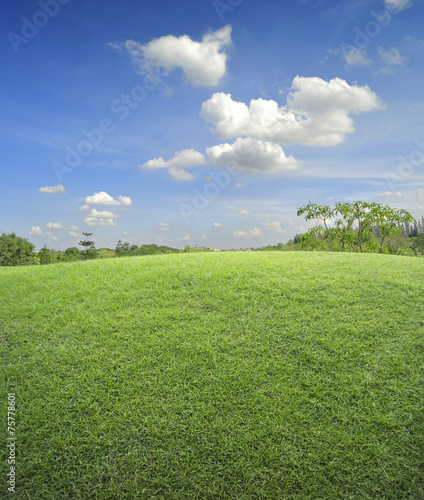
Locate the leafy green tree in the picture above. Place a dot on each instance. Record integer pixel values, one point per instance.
(44, 255)
(15, 251)
(358, 226)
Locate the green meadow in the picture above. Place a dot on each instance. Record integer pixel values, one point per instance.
(236, 375)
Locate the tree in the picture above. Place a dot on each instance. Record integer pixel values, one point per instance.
(358, 226)
(90, 252)
(44, 255)
(15, 251)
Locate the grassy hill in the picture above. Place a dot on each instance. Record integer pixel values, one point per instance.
(208, 376)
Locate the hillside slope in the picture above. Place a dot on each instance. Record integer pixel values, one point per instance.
(224, 375)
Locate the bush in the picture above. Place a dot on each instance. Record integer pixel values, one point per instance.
(15, 251)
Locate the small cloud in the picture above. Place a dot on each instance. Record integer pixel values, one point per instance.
(244, 212)
(187, 237)
(162, 226)
(100, 218)
(203, 237)
(391, 58)
(352, 56)
(248, 234)
(391, 194)
(36, 231)
(274, 226)
(72, 228)
(73, 233)
(186, 158)
(203, 63)
(238, 185)
(397, 5)
(330, 198)
(52, 189)
(102, 198)
(115, 46)
(54, 225)
(84, 208)
(218, 224)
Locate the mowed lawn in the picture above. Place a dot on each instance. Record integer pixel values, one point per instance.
(281, 375)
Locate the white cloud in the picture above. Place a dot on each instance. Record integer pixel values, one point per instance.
(238, 185)
(73, 233)
(391, 194)
(182, 159)
(274, 226)
(317, 113)
(244, 212)
(54, 225)
(53, 189)
(72, 228)
(102, 198)
(203, 63)
(36, 231)
(248, 234)
(330, 198)
(218, 224)
(102, 214)
(391, 58)
(252, 156)
(397, 4)
(100, 218)
(53, 238)
(84, 208)
(353, 57)
(94, 221)
(162, 226)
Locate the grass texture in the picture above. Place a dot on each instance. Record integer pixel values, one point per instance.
(216, 376)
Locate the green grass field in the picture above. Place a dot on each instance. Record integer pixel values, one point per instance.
(281, 375)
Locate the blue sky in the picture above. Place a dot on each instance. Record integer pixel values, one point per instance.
(205, 122)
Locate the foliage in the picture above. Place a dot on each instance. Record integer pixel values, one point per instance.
(90, 252)
(15, 251)
(359, 226)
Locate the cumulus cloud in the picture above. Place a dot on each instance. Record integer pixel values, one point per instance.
(251, 156)
(54, 225)
(36, 231)
(72, 228)
(218, 224)
(203, 63)
(248, 234)
(162, 226)
(274, 226)
(397, 4)
(317, 113)
(73, 233)
(100, 218)
(102, 198)
(182, 159)
(244, 212)
(84, 208)
(53, 189)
